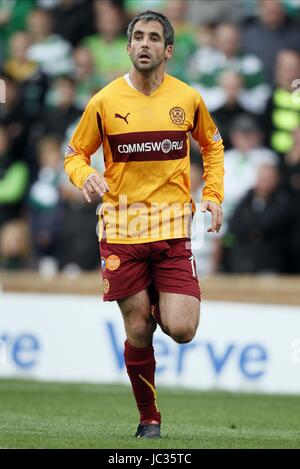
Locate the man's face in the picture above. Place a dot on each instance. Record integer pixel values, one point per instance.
(147, 49)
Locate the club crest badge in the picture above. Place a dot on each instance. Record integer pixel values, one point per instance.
(105, 286)
(177, 115)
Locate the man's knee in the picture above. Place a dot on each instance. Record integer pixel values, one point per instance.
(140, 330)
(137, 319)
(182, 334)
(182, 329)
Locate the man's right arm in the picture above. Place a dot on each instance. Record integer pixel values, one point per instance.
(84, 142)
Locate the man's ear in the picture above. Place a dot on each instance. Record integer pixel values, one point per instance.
(128, 48)
(169, 51)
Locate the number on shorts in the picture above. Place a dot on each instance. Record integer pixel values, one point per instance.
(192, 259)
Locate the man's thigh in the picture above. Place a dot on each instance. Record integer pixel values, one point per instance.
(125, 269)
(179, 311)
(135, 306)
(174, 268)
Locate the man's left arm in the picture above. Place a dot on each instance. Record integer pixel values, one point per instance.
(212, 149)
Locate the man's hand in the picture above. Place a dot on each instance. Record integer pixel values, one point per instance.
(216, 213)
(94, 183)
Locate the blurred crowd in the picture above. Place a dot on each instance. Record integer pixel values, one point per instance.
(243, 57)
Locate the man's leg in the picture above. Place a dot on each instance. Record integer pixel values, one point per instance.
(179, 315)
(139, 359)
(174, 278)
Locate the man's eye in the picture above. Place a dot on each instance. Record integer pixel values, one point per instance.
(138, 38)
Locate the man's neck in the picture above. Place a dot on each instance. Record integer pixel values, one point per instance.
(146, 83)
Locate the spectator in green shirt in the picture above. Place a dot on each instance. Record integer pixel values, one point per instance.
(186, 43)
(108, 47)
(49, 50)
(13, 16)
(226, 54)
(88, 82)
(133, 7)
(14, 178)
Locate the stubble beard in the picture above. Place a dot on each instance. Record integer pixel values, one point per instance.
(147, 68)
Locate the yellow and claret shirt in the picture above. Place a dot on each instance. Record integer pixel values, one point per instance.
(146, 154)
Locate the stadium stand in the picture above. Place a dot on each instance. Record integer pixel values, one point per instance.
(50, 64)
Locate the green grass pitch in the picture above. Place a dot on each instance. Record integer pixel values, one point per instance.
(52, 415)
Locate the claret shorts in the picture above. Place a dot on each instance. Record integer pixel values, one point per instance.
(166, 265)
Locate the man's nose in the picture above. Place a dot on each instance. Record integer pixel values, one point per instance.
(145, 41)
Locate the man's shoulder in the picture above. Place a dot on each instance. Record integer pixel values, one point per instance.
(183, 87)
(108, 90)
(173, 81)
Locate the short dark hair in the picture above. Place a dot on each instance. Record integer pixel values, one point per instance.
(150, 15)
